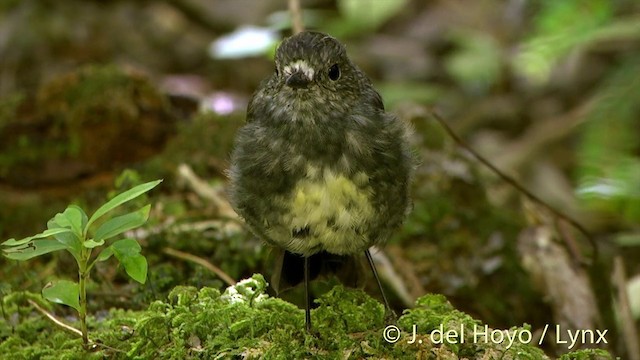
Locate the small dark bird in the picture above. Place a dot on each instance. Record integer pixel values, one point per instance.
(320, 170)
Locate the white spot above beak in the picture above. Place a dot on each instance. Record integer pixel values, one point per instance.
(299, 65)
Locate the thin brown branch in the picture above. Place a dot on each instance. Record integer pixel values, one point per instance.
(570, 240)
(200, 261)
(55, 320)
(508, 179)
(296, 16)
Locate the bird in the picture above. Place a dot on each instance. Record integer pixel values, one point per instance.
(320, 170)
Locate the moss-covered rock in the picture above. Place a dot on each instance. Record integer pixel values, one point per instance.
(79, 124)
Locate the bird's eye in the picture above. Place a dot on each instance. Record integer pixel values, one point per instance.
(334, 72)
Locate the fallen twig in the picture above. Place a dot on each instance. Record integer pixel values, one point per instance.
(200, 261)
(55, 320)
(206, 191)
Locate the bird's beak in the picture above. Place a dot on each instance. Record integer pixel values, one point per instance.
(298, 80)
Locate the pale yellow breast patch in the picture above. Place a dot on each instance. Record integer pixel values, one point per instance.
(336, 209)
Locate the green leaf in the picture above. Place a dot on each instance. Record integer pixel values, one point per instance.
(560, 28)
(126, 247)
(70, 218)
(52, 224)
(71, 238)
(136, 267)
(37, 248)
(42, 235)
(105, 254)
(128, 253)
(91, 243)
(120, 224)
(83, 216)
(63, 292)
(72, 242)
(121, 199)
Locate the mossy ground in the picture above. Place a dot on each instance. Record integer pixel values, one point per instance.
(244, 322)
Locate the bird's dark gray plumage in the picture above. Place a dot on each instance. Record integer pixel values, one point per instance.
(320, 167)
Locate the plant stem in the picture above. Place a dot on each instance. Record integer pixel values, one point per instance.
(83, 276)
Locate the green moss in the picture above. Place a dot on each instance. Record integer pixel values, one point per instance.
(25, 334)
(587, 354)
(89, 120)
(208, 323)
(434, 318)
(245, 322)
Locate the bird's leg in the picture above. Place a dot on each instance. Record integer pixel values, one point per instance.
(388, 309)
(307, 301)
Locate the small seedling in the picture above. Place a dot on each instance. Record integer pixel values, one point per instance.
(72, 231)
